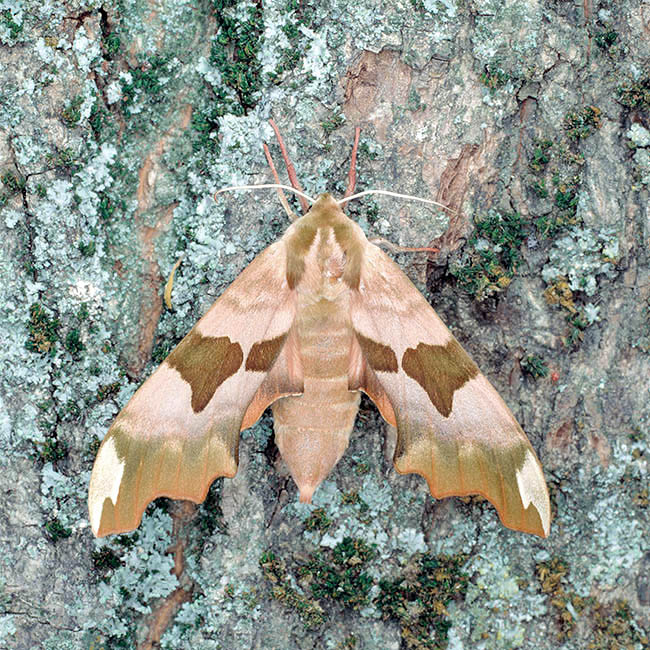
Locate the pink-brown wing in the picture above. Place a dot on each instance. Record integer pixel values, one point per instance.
(180, 430)
(453, 428)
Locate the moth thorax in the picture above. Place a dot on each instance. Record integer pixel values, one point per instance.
(331, 257)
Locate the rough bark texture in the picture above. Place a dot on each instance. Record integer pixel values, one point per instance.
(530, 119)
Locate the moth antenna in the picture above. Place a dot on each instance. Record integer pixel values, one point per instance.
(281, 196)
(170, 283)
(345, 199)
(380, 241)
(291, 170)
(262, 186)
(352, 174)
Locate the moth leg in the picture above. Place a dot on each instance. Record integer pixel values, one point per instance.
(395, 248)
(279, 190)
(293, 178)
(352, 174)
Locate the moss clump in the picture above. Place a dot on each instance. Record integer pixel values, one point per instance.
(606, 38)
(43, 330)
(534, 365)
(581, 124)
(55, 530)
(73, 343)
(491, 261)
(615, 628)
(52, 450)
(71, 114)
(560, 293)
(340, 576)
(318, 520)
(210, 515)
(105, 559)
(235, 49)
(12, 183)
(493, 76)
(146, 79)
(274, 569)
(106, 391)
(541, 154)
(419, 602)
(635, 94)
(335, 120)
(112, 44)
(7, 19)
(565, 604)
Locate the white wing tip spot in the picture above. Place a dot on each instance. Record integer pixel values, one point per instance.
(532, 488)
(104, 482)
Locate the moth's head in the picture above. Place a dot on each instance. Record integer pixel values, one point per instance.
(325, 210)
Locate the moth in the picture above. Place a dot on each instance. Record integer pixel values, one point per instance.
(318, 317)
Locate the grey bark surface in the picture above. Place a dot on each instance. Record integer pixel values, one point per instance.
(528, 119)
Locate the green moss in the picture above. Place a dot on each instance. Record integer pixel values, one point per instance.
(274, 570)
(615, 628)
(210, 515)
(635, 94)
(73, 343)
(566, 207)
(234, 54)
(43, 330)
(112, 44)
(339, 575)
(101, 122)
(415, 102)
(87, 249)
(539, 187)
(541, 154)
(492, 256)
(418, 601)
(566, 198)
(335, 120)
(606, 38)
(14, 184)
(318, 520)
(235, 49)
(297, 13)
(71, 114)
(161, 350)
(105, 559)
(64, 160)
(534, 365)
(52, 450)
(612, 626)
(6, 18)
(349, 643)
(577, 325)
(55, 530)
(493, 76)
(581, 124)
(146, 79)
(552, 576)
(107, 391)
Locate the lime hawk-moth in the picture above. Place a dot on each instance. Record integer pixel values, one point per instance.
(314, 319)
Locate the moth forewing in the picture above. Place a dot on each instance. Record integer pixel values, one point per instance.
(181, 428)
(452, 426)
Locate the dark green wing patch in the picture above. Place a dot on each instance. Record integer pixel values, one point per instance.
(441, 370)
(205, 362)
(379, 357)
(263, 354)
